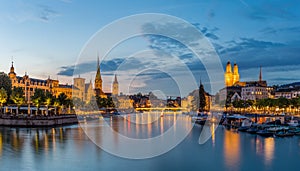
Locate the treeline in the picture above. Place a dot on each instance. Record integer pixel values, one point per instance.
(268, 105)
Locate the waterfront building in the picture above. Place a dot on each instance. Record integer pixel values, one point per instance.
(124, 102)
(79, 89)
(288, 93)
(236, 89)
(254, 92)
(79, 84)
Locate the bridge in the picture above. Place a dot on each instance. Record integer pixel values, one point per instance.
(163, 109)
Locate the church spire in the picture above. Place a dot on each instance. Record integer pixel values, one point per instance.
(98, 74)
(115, 86)
(116, 80)
(12, 68)
(260, 75)
(12, 73)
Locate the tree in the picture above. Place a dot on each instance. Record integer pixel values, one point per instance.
(49, 99)
(38, 98)
(3, 98)
(17, 96)
(283, 103)
(62, 100)
(5, 83)
(202, 99)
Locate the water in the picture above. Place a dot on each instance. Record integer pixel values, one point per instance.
(68, 148)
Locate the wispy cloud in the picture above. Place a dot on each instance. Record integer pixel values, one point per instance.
(23, 12)
(87, 67)
(266, 10)
(271, 30)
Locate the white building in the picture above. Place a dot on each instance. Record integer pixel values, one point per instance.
(254, 93)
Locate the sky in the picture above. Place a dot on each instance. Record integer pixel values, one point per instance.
(49, 38)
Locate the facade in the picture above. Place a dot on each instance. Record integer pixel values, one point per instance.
(79, 84)
(254, 93)
(288, 93)
(79, 89)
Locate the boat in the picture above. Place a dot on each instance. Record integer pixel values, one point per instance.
(284, 134)
(295, 131)
(236, 121)
(294, 123)
(246, 124)
(243, 128)
(277, 128)
(252, 130)
(264, 133)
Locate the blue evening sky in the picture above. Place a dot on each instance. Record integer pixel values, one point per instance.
(45, 37)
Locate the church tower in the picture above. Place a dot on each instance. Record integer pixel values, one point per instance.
(235, 75)
(12, 74)
(98, 82)
(79, 83)
(115, 87)
(228, 75)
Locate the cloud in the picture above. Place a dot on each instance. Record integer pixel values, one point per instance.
(45, 13)
(247, 44)
(271, 30)
(82, 68)
(23, 12)
(266, 11)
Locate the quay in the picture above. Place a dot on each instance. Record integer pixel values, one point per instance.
(38, 121)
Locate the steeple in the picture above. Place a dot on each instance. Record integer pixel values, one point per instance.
(12, 68)
(98, 74)
(228, 67)
(115, 87)
(12, 73)
(116, 80)
(98, 80)
(260, 75)
(235, 75)
(228, 75)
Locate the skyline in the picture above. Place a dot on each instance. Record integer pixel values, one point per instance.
(246, 32)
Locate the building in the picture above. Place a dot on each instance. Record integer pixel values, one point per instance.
(288, 93)
(115, 87)
(231, 78)
(79, 89)
(254, 92)
(235, 89)
(79, 84)
(98, 82)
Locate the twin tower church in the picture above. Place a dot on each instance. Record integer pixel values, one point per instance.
(80, 89)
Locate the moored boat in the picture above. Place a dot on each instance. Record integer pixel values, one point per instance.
(265, 133)
(252, 130)
(284, 134)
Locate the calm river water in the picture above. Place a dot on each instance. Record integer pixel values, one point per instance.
(69, 148)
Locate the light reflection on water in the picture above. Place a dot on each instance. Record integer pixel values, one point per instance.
(69, 148)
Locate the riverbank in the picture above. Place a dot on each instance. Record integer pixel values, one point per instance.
(37, 121)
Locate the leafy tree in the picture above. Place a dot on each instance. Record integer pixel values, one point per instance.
(202, 99)
(62, 99)
(17, 96)
(49, 100)
(3, 97)
(5, 83)
(283, 102)
(38, 98)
